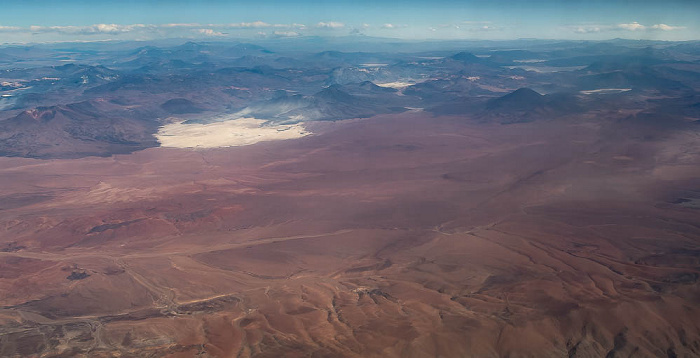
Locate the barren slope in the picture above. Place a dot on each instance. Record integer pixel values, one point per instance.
(403, 235)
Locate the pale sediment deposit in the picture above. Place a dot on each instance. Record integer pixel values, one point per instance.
(396, 85)
(230, 133)
(606, 90)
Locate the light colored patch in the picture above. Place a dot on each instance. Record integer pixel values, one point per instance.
(230, 133)
(623, 157)
(606, 90)
(108, 194)
(546, 69)
(529, 61)
(397, 85)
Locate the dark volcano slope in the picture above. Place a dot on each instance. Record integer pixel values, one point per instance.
(74, 131)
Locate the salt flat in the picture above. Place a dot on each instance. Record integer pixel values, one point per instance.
(606, 90)
(396, 85)
(230, 133)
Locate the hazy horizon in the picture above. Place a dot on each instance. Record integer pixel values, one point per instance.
(51, 21)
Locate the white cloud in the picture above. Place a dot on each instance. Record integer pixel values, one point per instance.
(330, 25)
(664, 27)
(393, 26)
(170, 29)
(471, 26)
(241, 25)
(210, 32)
(634, 26)
(254, 24)
(113, 28)
(484, 28)
(194, 24)
(587, 29)
(91, 29)
(285, 34)
(9, 28)
(366, 26)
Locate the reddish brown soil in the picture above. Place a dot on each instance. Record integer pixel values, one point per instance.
(402, 235)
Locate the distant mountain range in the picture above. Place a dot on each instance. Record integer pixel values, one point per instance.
(144, 85)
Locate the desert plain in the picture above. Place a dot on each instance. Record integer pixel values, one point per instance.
(399, 235)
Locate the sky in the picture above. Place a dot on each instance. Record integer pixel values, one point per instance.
(27, 21)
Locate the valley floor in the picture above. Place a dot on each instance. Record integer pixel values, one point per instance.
(399, 235)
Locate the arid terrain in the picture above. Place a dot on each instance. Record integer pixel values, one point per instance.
(350, 199)
(400, 235)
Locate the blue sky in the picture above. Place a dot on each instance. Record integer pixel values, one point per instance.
(79, 20)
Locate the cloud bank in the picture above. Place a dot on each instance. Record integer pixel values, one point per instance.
(632, 26)
(330, 25)
(456, 30)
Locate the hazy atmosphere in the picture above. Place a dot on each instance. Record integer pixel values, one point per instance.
(78, 20)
